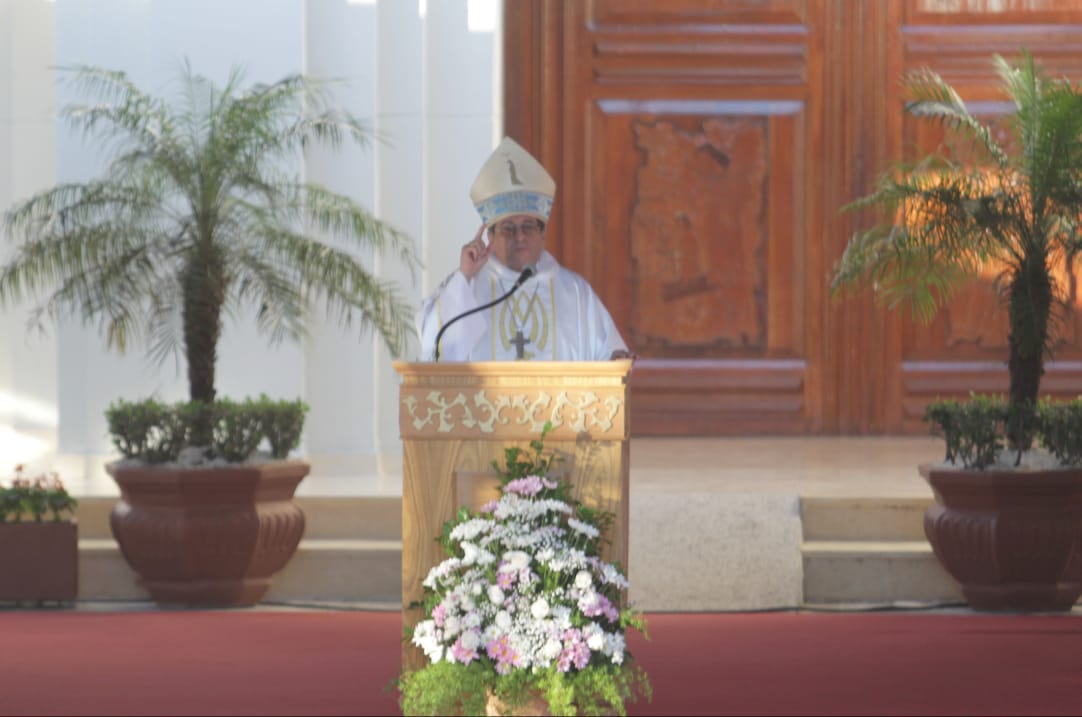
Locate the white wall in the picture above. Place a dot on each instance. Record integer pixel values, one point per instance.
(415, 69)
(28, 360)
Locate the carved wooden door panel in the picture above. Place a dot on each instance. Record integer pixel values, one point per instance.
(682, 132)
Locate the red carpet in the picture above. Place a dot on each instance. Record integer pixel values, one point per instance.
(336, 663)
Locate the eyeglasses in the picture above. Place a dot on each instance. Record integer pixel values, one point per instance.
(528, 229)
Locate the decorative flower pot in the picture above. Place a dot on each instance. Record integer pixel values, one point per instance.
(535, 705)
(1012, 539)
(208, 535)
(39, 561)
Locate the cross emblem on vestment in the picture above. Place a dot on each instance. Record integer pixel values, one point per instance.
(520, 342)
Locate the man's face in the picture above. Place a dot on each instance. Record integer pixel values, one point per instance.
(517, 241)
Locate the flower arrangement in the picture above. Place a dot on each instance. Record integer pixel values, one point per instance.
(35, 497)
(524, 607)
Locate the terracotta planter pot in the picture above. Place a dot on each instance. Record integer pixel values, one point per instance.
(535, 705)
(39, 561)
(1012, 539)
(208, 536)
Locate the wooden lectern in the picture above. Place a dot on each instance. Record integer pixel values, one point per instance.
(457, 418)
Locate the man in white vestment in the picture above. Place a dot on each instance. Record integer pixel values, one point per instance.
(554, 315)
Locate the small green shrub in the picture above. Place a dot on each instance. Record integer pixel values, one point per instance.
(145, 429)
(283, 423)
(237, 430)
(157, 433)
(1059, 425)
(974, 430)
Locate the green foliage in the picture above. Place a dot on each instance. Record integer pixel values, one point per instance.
(148, 429)
(519, 463)
(1013, 212)
(35, 497)
(445, 688)
(237, 430)
(157, 433)
(973, 430)
(201, 210)
(1059, 425)
(282, 422)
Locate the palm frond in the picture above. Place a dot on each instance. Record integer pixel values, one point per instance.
(933, 97)
(351, 294)
(1018, 219)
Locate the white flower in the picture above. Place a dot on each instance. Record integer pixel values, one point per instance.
(470, 552)
(595, 637)
(561, 616)
(451, 626)
(539, 608)
(471, 639)
(441, 571)
(495, 594)
(615, 644)
(612, 576)
(584, 528)
(503, 620)
(476, 588)
(583, 580)
(551, 649)
(470, 529)
(516, 560)
(427, 637)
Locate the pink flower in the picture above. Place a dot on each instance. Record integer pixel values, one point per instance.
(528, 486)
(576, 652)
(593, 604)
(505, 579)
(490, 506)
(439, 614)
(461, 653)
(505, 657)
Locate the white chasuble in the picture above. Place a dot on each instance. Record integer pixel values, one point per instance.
(554, 316)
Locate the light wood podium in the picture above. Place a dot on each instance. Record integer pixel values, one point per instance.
(457, 418)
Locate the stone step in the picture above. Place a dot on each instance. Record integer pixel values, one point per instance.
(875, 519)
(875, 572)
(326, 518)
(346, 571)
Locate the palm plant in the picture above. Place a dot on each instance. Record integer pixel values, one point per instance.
(198, 213)
(1016, 212)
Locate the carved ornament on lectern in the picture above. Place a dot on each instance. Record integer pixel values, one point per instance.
(443, 412)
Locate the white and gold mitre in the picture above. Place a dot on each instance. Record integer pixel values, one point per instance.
(512, 182)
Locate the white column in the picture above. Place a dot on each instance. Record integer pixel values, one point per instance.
(8, 324)
(400, 199)
(340, 43)
(28, 359)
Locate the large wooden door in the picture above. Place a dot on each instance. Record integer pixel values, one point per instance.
(702, 149)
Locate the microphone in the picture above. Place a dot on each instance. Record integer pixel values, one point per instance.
(527, 272)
